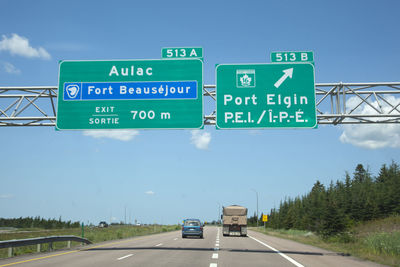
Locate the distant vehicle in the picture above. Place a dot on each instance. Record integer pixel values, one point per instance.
(192, 227)
(103, 224)
(234, 220)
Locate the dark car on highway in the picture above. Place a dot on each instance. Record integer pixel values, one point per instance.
(192, 227)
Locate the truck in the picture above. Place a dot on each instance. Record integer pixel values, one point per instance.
(234, 220)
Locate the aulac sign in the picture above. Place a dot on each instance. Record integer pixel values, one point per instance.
(265, 96)
(130, 94)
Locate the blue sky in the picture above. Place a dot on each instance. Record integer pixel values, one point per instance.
(166, 175)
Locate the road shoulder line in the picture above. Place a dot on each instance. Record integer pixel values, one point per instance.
(39, 258)
(277, 251)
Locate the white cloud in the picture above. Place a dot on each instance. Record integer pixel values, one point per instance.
(371, 136)
(149, 192)
(122, 135)
(201, 139)
(68, 46)
(6, 196)
(10, 68)
(19, 45)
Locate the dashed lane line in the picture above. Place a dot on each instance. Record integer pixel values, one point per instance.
(158, 245)
(124, 257)
(216, 248)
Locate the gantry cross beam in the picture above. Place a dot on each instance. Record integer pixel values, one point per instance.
(348, 103)
(336, 103)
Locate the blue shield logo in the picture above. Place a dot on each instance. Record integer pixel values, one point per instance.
(71, 91)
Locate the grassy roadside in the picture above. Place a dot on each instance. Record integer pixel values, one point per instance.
(94, 234)
(377, 241)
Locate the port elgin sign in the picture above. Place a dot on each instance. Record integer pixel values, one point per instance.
(130, 94)
(265, 96)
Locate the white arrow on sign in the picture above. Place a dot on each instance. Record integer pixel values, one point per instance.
(288, 73)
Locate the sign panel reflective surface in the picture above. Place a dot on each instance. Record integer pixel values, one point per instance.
(130, 94)
(265, 96)
(295, 56)
(182, 52)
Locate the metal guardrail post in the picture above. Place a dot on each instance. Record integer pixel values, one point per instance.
(10, 244)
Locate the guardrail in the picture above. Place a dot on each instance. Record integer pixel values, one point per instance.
(10, 244)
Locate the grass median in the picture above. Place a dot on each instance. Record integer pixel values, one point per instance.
(94, 234)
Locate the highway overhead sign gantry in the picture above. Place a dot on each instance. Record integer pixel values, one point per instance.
(130, 94)
(265, 96)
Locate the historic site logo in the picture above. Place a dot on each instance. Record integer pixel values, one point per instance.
(245, 78)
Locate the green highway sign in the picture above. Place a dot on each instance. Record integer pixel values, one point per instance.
(265, 96)
(307, 56)
(181, 52)
(130, 94)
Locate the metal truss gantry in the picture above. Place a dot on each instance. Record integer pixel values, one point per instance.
(28, 106)
(336, 103)
(347, 103)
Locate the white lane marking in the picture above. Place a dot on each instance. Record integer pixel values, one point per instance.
(158, 245)
(217, 245)
(213, 265)
(124, 257)
(175, 238)
(214, 256)
(280, 253)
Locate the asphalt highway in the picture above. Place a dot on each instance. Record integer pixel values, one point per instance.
(170, 249)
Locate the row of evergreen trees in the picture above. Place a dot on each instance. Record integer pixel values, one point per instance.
(252, 220)
(37, 222)
(332, 210)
